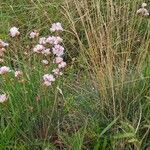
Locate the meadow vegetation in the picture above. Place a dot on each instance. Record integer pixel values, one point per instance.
(98, 99)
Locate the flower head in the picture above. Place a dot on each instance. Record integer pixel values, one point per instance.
(34, 34)
(46, 51)
(143, 11)
(42, 40)
(58, 60)
(143, 5)
(18, 73)
(56, 27)
(54, 40)
(3, 98)
(57, 72)
(38, 48)
(48, 79)
(62, 65)
(14, 32)
(45, 62)
(46, 83)
(58, 50)
(4, 70)
(3, 44)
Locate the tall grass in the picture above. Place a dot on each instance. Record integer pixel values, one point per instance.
(114, 44)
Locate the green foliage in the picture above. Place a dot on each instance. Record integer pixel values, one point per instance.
(102, 101)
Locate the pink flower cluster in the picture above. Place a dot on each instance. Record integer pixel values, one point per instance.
(48, 79)
(4, 70)
(3, 44)
(51, 45)
(54, 40)
(143, 11)
(56, 27)
(48, 47)
(14, 31)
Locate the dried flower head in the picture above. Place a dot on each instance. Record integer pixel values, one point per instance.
(58, 60)
(3, 44)
(2, 50)
(57, 72)
(1, 60)
(62, 65)
(45, 62)
(18, 74)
